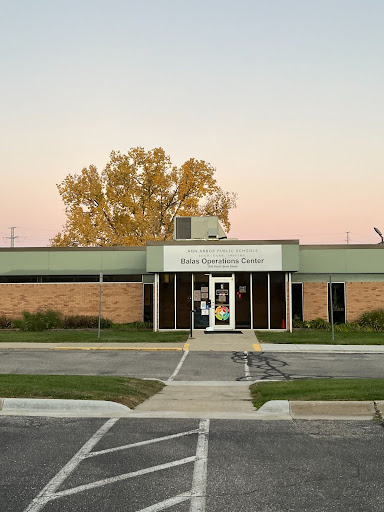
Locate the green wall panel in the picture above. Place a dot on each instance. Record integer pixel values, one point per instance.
(343, 278)
(53, 262)
(290, 258)
(346, 260)
(155, 258)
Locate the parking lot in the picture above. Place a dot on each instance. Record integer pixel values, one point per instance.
(133, 465)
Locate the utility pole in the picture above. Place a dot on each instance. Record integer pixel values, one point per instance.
(12, 237)
(348, 237)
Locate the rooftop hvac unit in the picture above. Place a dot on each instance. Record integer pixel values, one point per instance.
(197, 228)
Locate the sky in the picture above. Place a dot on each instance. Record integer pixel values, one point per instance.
(284, 98)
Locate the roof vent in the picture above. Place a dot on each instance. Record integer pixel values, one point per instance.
(183, 228)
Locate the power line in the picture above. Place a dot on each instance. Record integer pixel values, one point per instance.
(12, 237)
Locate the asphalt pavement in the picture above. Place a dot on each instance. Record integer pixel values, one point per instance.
(181, 465)
(146, 462)
(197, 366)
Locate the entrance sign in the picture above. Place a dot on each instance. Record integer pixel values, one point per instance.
(229, 258)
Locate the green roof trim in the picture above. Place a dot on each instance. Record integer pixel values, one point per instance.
(74, 261)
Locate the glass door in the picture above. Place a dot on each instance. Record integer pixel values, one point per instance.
(222, 311)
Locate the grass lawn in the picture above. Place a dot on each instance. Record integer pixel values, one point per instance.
(124, 390)
(90, 335)
(318, 389)
(318, 336)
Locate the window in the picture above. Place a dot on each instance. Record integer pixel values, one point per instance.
(260, 300)
(183, 300)
(107, 278)
(148, 303)
(278, 304)
(200, 291)
(167, 301)
(297, 301)
(243, 300)
(338, 302)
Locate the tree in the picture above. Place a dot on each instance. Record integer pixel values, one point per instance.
(136, 197)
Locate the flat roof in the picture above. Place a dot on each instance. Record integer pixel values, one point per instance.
(224, 241)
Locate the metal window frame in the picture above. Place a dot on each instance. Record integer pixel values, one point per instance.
(345, 298)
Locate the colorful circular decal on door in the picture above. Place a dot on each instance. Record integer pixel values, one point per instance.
(222, 313)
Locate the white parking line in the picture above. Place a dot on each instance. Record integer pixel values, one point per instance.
(48, 493)
(196, 495)
(178, 366)
(124, 476)
(199, 482)
(141, 443)
(167, 503)
(246, 367)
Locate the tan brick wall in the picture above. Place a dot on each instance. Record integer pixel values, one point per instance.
(362, 297)
(121, 302)
(315, 301)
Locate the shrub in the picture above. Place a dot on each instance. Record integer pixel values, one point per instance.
(85, 322)
(135, 325)
(38, 321)
(352, 327)
(5, 323)
(319, 323)
(373, 319)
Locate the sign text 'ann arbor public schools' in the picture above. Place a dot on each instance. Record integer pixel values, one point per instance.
(189, 258)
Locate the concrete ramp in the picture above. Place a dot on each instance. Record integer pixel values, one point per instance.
(200, 399)
(223, 341)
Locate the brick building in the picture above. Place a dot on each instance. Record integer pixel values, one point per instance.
(230, 284)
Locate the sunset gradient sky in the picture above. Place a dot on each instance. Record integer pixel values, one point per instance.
(284, 98)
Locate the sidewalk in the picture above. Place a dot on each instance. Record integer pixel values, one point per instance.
(216, 341)
(348, 349)
(199, 400)
(201, 342)
(91, 346)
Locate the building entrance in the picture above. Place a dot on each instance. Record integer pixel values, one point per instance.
(222, 311)
(231, 301)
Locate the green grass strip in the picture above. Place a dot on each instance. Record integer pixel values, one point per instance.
(124, 390)
(316, 336)
(90, 335)
(318, 389)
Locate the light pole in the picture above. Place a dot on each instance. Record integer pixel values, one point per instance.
(380, 235)
(99, 323)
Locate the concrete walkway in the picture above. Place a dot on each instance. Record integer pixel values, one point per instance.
(223, 342)
(200, 399)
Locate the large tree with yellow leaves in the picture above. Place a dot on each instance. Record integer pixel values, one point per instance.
(136, 197)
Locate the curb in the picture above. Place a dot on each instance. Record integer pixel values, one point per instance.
(58, 407)
(323, 410)
(321, 348)
(183, 346)
(273, 410)
(120, 348)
